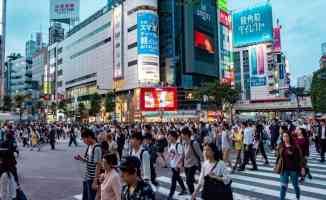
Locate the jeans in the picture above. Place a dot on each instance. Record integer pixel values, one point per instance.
(285, 181)
(262, 150)
(88, 192)
(176, 178)
(249, 153)
(190, 178)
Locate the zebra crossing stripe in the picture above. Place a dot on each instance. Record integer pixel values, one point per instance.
(166, 192)
(314, 165)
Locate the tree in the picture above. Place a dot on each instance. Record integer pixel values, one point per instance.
(298, 92)
(318, 91)
(109, 102)
(53, 107)
(7, 103)
(213, 91)
(230, 97)
(19, 102)
(95, 102)
(62, 106)
(82, 110)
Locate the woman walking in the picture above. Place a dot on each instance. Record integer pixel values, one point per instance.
(238, 143)
(111, 182)
(226, 144)
(302, 140)
(290, 163)
(214, 167)
(8, 185)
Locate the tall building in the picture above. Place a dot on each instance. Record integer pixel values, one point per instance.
(305, 82)
(56, 33)
(30, 49)
(39, 64)
(9, 71)
(2, 44)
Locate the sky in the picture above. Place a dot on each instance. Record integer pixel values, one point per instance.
(303, 27)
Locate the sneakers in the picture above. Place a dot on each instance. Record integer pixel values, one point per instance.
(183, 192)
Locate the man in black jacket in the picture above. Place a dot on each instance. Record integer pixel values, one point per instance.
(53, 133)
(322, 139)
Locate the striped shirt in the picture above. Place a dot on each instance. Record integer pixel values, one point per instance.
(93, 155)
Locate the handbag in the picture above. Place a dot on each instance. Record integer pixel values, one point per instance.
(279, 166)
(20, 195)
(216, 188)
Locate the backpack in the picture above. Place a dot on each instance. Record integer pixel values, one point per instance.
(196, 155)
(86, 153)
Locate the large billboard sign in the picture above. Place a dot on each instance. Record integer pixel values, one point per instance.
(118, 42)
(148, 47)
(252, 25)
(277, 39)
(156, 99)
(65, 11)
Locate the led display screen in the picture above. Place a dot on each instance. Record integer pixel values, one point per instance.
(155, 99)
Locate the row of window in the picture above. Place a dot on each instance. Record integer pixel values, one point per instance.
(94, 46)
(88, 76)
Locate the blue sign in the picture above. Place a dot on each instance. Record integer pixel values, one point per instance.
(258, 81)
(253, 25)
(148, 38)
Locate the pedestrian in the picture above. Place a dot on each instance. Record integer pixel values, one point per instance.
(226, 144)
(290, 163)
(302, 141)
(8, 186)
(92, 158)
(138, 150)
(35, 138)
(193, 157)
(322, 139)
(215, 167)
(52, 136)
(249, 153)
(275, 132)
(175, 152)
(112, 145)
(260, 138)
(238, 144)
(72, 137)
(111, 182)
(135, 188)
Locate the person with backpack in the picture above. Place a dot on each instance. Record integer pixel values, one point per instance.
(175, 151)
(142, 153)
(261, 137)
(72, 137)
(193, 156)
(92, 158)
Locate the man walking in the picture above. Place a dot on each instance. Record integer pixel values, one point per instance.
(322, 139)
(249, 152)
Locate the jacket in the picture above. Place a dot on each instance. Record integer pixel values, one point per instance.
(299, 159)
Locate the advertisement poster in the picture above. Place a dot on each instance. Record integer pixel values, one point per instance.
(66, 11)
(117, 42)
(156, 99)
(253, 25)
(148, 47)
(277, 39)
(225, 19)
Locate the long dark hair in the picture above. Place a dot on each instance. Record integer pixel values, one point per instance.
(291, 141)
(217, 153)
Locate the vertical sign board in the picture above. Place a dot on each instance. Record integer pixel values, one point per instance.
(117, 42)
(148, 47)
(223, 5)
(277, 39)
(252, 26)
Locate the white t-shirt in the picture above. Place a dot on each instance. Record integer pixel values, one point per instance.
(175, 152)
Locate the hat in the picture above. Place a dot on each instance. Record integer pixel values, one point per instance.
(130, 163)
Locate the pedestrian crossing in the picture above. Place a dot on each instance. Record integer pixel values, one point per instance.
(263, 184)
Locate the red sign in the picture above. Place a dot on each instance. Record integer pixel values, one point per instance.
(204, 42)
(225, 19)
(155, 99)
(277, 39)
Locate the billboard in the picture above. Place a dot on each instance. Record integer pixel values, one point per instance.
(156, 99)
(252, 25)
(148, 47)
(277, 39)
(222, 5)
(65, 11)
(225, 19)
(117, 42)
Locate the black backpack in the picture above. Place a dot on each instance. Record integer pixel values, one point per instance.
(197, 156)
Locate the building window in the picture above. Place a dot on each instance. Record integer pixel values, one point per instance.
(133, 45)
(59, 84)
(59, 61)
(132, 63)
(132, 28)
(81, 78)
(60, 72)
(60, 50)
(90, 48)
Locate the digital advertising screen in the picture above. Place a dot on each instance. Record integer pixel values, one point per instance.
(148, 38)
(156, 99)
(204, 42)
(252, 25)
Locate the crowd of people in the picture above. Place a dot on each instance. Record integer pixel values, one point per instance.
(122, 160)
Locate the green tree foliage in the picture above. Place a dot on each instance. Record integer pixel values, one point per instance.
(19, 102)
(7, 103)
(109, 102)
(95, 106)
(318, 91)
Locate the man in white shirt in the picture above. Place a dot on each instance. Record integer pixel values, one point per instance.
(248, 141)
(322, 139)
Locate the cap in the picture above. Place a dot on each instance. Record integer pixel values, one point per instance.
(130, 163)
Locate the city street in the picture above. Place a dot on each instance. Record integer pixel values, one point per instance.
(54, 175)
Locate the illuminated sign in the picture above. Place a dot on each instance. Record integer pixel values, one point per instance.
(204, 42)
(117, 43)
(225, 19)
(253, 25)
(66, 11)
(156, 99)
(148, 47)
(277, 39)
(223, 5)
